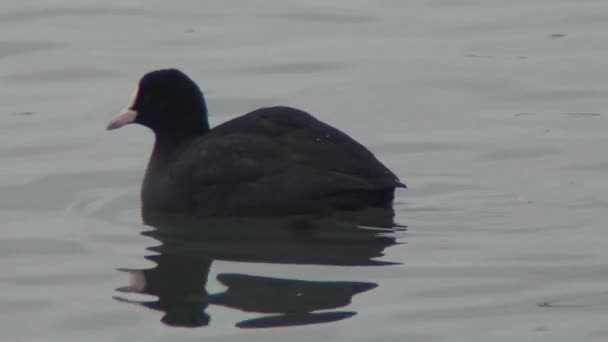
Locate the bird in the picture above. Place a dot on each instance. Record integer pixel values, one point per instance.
(273, 161)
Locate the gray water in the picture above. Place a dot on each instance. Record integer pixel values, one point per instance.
(492, 112)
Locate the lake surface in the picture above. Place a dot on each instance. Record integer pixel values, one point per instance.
(493, 113)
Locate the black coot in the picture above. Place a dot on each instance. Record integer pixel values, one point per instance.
(270, 162)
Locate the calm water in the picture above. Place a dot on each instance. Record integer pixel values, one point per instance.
(492, 112)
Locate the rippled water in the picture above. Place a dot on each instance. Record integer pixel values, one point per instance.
(492, 112)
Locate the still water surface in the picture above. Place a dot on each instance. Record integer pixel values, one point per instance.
(493, 113)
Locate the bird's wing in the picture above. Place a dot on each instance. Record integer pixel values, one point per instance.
(313, 143)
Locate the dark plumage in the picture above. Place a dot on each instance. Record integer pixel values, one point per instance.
(269, 162)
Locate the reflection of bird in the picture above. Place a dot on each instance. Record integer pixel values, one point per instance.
(272, 161)
(188, 247)
(179, 283)
(292, 302)
(336, 239)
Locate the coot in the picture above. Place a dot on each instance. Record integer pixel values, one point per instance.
(272, 161)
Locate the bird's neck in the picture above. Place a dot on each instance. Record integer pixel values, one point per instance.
(157, 180)
(166, 146)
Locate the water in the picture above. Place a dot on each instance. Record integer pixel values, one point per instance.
(493, 113)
